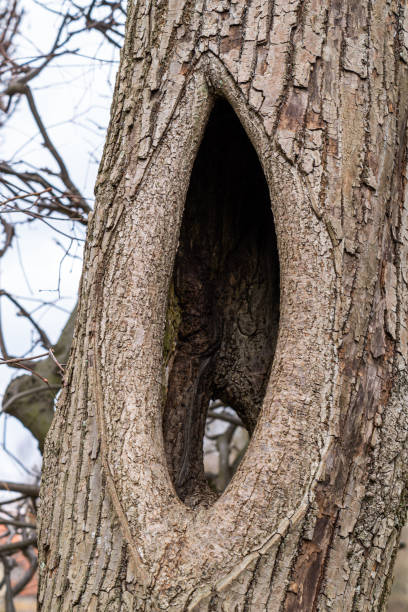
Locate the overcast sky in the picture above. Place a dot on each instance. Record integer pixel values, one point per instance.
(73, 96)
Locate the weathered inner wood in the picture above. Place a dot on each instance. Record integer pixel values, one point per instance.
(223, 314)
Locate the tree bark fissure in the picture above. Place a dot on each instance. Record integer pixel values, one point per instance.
(312, 517)
(226, 283)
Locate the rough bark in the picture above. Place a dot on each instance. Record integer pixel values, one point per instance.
(312, 517)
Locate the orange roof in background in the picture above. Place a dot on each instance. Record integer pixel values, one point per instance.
(30, 590)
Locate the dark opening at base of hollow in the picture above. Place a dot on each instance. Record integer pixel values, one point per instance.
(223, 313)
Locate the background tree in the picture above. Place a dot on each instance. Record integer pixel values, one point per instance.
(312, 518)
(36, 192)
(46, 194)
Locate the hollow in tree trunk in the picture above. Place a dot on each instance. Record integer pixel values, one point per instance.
(249, 244)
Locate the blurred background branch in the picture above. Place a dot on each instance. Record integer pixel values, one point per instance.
(40, 194)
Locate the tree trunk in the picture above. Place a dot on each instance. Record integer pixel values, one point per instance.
(180, 308)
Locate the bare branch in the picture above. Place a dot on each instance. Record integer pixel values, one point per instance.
(65, 177)
(35, 391)
(17, 524)
(20, 545)
(23, 312)
(225, 416)
(26, 489)
(9, 235)
(17, 588)
(18, 360)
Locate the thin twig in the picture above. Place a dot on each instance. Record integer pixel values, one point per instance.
(20, 359)
(24, 196)
(55, 360)
(44, 338)
(21, 394)
(224, 416)
(50, 146)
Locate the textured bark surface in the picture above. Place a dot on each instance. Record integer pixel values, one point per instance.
(169, 318)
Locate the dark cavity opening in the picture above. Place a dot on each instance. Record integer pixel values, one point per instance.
(223, 312)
